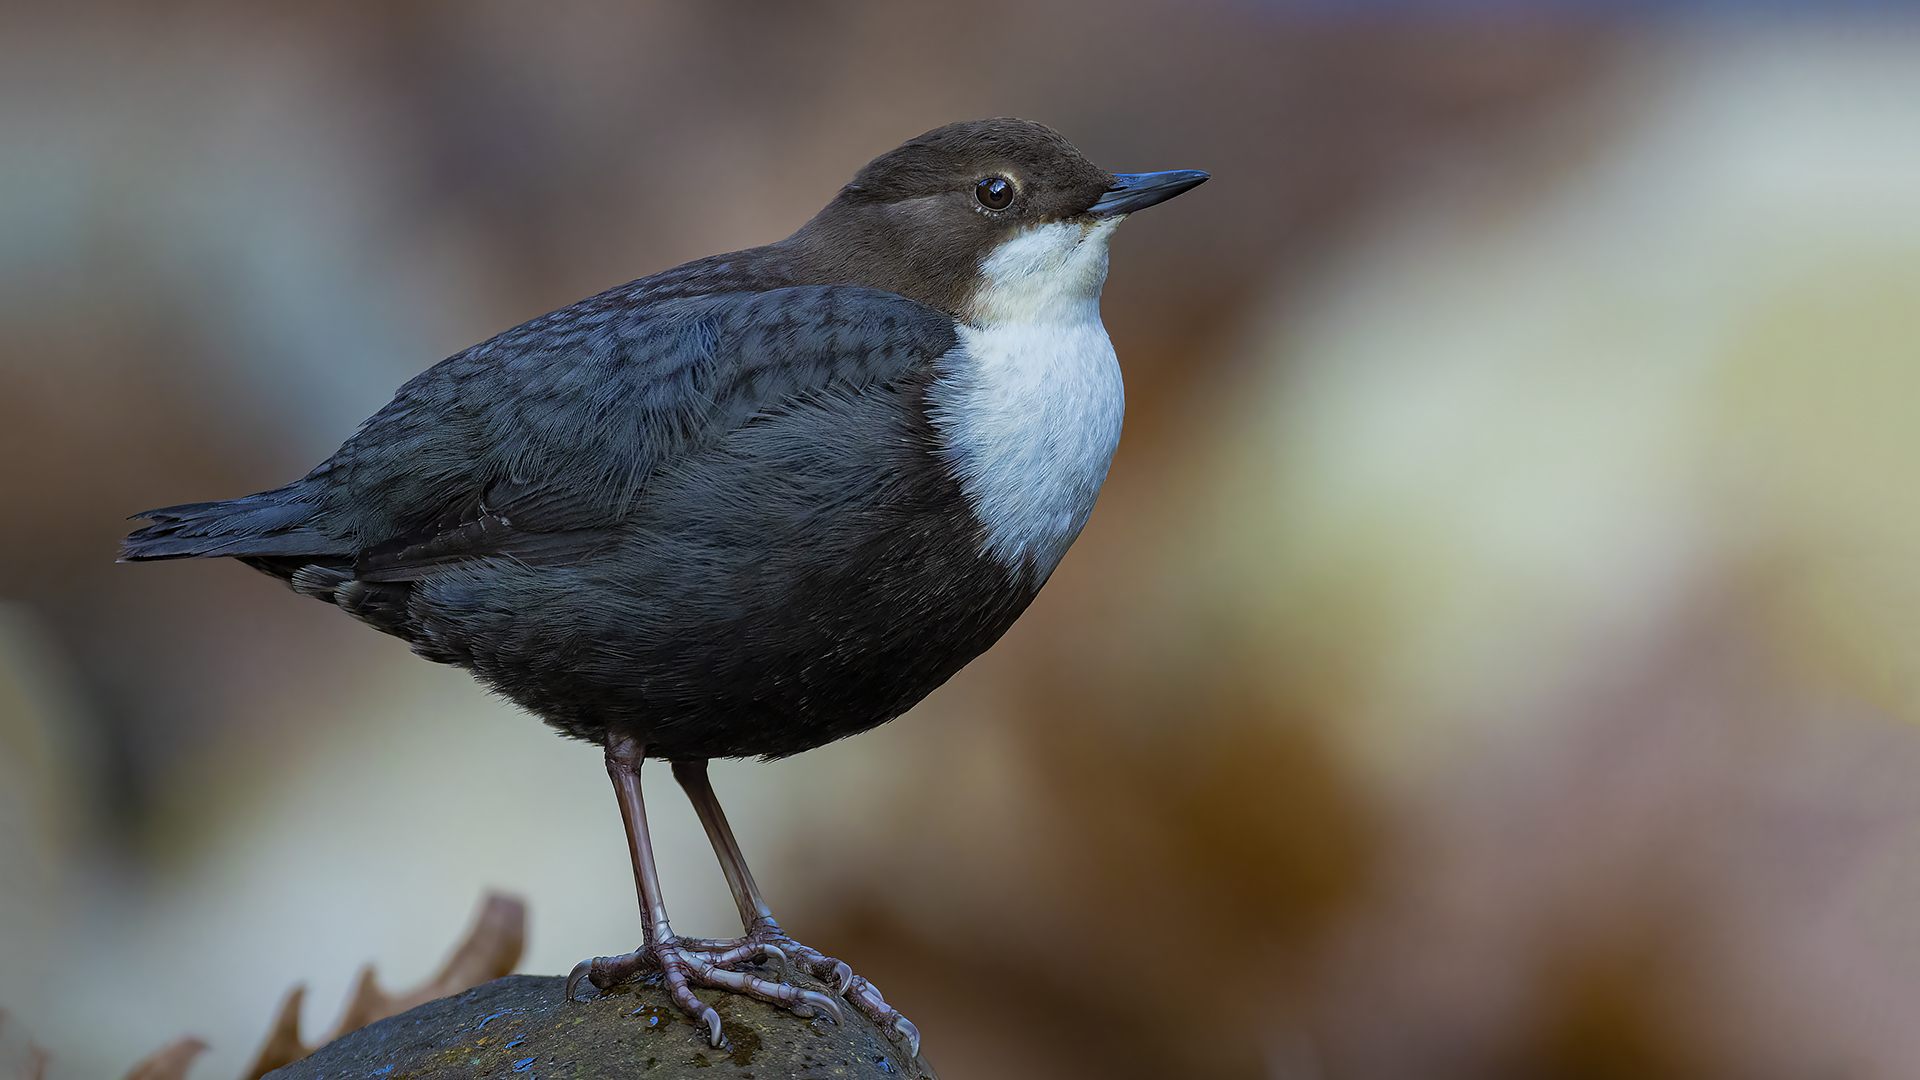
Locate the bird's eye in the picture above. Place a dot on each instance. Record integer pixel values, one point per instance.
(994, 193)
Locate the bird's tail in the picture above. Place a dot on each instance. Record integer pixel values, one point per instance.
(273, 523)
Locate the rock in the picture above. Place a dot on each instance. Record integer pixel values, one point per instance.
(522, 1028)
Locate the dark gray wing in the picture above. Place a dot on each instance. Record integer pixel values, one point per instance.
(533, 444)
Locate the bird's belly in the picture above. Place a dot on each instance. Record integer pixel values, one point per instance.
(762, 629)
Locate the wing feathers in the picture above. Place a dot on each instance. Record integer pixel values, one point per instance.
(538, 444)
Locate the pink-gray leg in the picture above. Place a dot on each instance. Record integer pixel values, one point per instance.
(757, 918)
(682, 963)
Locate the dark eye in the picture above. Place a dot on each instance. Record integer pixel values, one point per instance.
(994, 193)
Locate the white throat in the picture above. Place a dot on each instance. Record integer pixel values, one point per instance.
(1030, 402)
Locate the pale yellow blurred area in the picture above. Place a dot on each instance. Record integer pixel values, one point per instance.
(1587, 504)
(1522, 425)
(1493, 655)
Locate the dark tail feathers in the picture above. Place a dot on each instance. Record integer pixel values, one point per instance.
(272, 523)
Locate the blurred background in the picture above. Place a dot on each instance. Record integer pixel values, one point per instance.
(1494, 654)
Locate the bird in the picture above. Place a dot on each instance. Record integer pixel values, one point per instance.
(742, 507)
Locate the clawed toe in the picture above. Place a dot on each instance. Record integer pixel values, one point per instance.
(862, 994)
(576, 977)
(779, 957)
(688, 963)
(799, 1000)
(834, 971)
(606, 972)
(866, 997)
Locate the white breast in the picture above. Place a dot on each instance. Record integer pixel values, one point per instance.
(1030, 402)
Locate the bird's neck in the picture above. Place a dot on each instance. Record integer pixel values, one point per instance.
(861, 245)
(1044, 275)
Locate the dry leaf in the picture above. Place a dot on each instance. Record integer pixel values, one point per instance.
(283, 1044)
(491, 949)
(170, 1062)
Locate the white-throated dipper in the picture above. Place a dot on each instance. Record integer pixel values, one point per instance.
(745, 506)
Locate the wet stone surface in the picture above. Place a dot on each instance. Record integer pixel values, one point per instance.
(522, 1028)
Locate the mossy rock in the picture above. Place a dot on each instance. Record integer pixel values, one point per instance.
(523, 1028)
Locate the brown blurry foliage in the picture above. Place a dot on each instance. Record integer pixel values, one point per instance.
(490, 949)
(171, 1062)
(1608, 1017)
(1198, 869)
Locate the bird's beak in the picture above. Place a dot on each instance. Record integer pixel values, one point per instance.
(1137, 191)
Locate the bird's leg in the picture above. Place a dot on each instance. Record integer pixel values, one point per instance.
(692, 775)
(683, 965)
(757, 918)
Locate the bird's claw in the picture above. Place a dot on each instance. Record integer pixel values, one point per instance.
(575, 977)
(842, 974)
(822, 1002)
(779, 956)
(866, 997)
(607, 972)
(708, 962)
(863, 995)
(834, 973)
(685, 963)
(712, 1020)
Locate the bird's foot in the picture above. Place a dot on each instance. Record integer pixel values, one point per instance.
(788, 954)
(708, 962)
(685, 963)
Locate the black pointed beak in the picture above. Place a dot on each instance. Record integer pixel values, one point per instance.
(1137, 191)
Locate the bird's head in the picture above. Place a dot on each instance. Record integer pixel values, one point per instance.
(987, 220)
